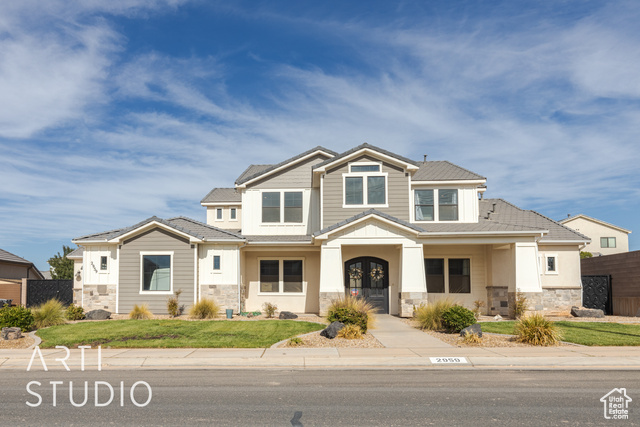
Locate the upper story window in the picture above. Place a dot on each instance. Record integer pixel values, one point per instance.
(607, 242)
(232, 214)
(219, 214)
(426, 207)
(365, 185)
(272, 207)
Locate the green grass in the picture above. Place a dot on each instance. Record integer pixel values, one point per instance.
(585, 333)
(174, 333)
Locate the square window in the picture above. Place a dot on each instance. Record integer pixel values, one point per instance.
(271, 207)
(156, 272)
(460, 276)
(376, 190)
(293, 206)
(448, 205)
(216, 262)
(232, 214)
(103, 263)
(434, 269)
(292, 275)
(269, 276)
(353, 191)
(424, 205)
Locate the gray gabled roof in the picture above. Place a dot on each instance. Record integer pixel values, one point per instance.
(255, 171)
(222, 195)
(509, 214)
(442, 170)
(364, 214)
(597, 221)
(360, 147)
(9, 257)
(76, 253)
(185, 225)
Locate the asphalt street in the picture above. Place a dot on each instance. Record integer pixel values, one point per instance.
(315, 398)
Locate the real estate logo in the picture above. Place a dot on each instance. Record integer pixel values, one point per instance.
(616, 404)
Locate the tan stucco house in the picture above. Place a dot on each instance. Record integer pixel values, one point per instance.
(322, 224)
(606, 239)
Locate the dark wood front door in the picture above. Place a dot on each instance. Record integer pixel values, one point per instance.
(368, 277)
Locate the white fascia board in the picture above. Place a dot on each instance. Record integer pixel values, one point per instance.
(563, 242)
(153, 224)
(85, 242)
(394, 224)
(451, 182)
(375, 153)
(280, 243)
(222, 204)
(230, 241)
(278, 169)
(483, 233)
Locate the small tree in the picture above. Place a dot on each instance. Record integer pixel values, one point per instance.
(61, 266)
(585, 254)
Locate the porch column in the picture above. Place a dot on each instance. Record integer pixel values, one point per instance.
(413, 284)
(331, 276)
(527, 272)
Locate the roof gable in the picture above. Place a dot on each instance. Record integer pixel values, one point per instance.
(367, 149)
(222, 195)
(364, 216)
(594, 220)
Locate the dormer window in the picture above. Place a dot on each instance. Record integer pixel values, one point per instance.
(365, 185)
(426, 208)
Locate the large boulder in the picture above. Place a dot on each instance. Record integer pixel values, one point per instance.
(332, 330)
(586, 312)
(98, 314)
(287, 315)
(11, 333)
(473, 329)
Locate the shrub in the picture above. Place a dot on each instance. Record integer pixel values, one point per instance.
(536, 330)
(352, 310)
(457, 318)
(350, 332)
(50, 313)
(74, 312)
(471, 338)
(478, 305)
(295, 341)
(269, 309)
(520, 305)
(204, 309)
(16, 317)
(585, 254)
(140, 312)
(430, 316)
(173, 304)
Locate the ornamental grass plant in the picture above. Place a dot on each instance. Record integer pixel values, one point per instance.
(140, 312)
(429, 316)
(50, 313)
(206, 308)
(352, 310)
(536, 330)
(350, 332)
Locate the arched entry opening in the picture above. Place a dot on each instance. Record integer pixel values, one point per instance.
(368, 277)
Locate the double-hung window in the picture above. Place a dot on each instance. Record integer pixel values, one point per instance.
(436, 204)
(282, 206)
(281, 276)
(365, 185)
(448, 275)
(607, 242)
(156, 272)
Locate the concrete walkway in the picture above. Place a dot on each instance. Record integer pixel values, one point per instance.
(394, 333)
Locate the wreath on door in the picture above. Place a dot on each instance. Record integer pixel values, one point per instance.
(355, 273)
(377, 273)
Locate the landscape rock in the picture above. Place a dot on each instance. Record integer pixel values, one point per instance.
(98, 314)
(473, 329)
(497, 317)
(5, 301)
(586, 312)
(287, 315)
(332, 330)
(11, 333)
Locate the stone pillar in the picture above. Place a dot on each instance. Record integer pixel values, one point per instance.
(498, 300)
(224, 295)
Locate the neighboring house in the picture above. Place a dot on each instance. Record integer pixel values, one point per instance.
(606, 239)
(320, 225)
(13, 270)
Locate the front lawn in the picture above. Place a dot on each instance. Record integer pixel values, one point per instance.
(585, 333)
(175, 333)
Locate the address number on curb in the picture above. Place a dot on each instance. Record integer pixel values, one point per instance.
(448, 360)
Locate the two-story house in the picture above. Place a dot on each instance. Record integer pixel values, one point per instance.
(366, 222)
(606, 239)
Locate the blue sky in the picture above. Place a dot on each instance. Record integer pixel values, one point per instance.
(116, 111)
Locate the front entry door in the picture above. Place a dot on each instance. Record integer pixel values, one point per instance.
(368, 277)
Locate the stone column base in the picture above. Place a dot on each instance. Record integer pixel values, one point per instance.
(409, 300)
(226, 296)
(99, 296)
(325, 300)
(497, 300)
(560, 300)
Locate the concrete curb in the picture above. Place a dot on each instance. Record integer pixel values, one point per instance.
(36, 338)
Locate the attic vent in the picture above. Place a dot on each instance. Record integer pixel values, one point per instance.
(425, 158)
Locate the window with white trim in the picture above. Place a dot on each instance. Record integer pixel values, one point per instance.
(435, 204)
(365, 185)
(103, 263)
(216, 263)
(283, 276)
(551, 264)
(607, 242)
(282, 206)
(218, 214)
(156, 272)
(233, 214)
(448, 275)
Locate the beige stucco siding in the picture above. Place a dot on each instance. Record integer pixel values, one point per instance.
(226, 223)
(297, 176)
(333, 197)
(568, 266)
(595, 231)
(155, 240)
(306, 302)
(477, 255)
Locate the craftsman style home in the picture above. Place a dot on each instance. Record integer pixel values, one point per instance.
(366, 222)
